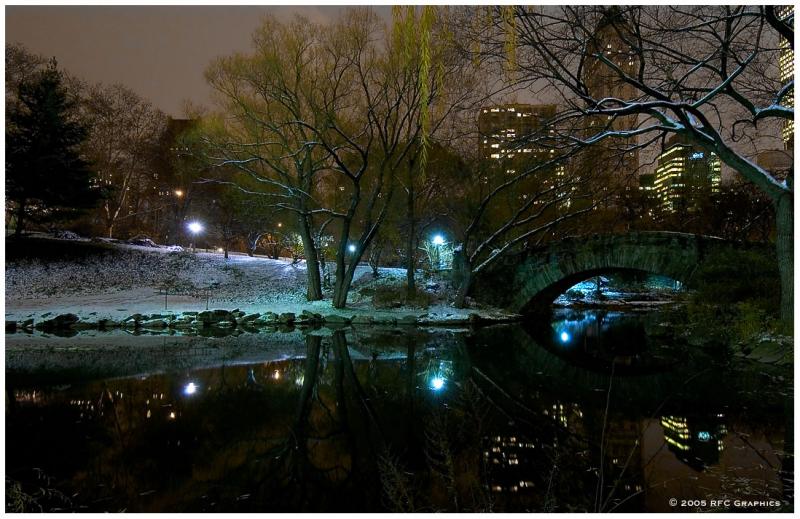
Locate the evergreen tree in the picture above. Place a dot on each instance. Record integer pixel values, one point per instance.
(46, 178)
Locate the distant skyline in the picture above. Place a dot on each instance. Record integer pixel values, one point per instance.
(160, 52)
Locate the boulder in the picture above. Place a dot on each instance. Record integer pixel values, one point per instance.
(363, 320)
(249, 317)
(408, 320)
(84, 325)
(286, 318)
(337, 319)
(105, 324)
(11, 326)
(59, 322)
(154, 323)
(26, 324)
(306, 315)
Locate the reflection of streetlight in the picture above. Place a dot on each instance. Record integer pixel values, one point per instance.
(195, 228)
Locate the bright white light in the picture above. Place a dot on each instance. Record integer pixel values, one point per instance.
(195, 227)
(437, 383)
(438, 240)
(564, 337)
(190, 389)
(351, 248)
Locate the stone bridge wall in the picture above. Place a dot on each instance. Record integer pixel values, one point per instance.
(534, 279)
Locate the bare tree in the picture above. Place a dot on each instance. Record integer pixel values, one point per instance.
(708, 74)
(124, 134)
(324, 117)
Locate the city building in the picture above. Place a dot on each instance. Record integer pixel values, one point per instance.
(517, 137)
(614, 160)
(685, 177)
(786, 63)
(511, 129)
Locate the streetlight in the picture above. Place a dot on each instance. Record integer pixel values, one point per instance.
(437, 241)
(178, 193)
(195, 228)
(351, 248)
(190, 389)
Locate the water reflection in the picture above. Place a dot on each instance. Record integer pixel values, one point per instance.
(493, 421)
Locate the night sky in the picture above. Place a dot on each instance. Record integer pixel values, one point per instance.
(158, 51)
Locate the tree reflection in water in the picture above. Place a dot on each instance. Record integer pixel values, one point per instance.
(490, 421)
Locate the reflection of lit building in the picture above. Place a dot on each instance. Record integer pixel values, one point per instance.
(696, 442)
(565, 415)
(510, 464)
(623, 457)
(685, 176)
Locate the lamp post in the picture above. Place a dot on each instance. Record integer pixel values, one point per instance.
(438, 241)
(195, 228)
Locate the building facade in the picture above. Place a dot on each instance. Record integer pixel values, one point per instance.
(786, 64)
(614, 160)
(685, 177)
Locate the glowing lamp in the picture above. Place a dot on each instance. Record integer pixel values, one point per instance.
(438, 240)
(437, 383)
(195, 227)
(190, 389)
(564, 337)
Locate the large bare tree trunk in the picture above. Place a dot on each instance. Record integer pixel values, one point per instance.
(342, 287)
(313, 284)
(784, 241)
(462, 276)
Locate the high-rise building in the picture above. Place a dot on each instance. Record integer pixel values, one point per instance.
(518, 137)
(685, 176)
(786, 63)
(513, 129)
(614, 160)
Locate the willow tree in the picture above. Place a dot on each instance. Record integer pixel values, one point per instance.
(708, 74)
(450, 89)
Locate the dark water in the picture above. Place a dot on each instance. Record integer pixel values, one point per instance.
(594, 411)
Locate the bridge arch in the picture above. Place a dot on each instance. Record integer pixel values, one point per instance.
(532, 281)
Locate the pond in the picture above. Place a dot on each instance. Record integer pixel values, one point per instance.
(589, 411)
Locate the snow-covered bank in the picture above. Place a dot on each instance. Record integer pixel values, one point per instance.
(114, 281)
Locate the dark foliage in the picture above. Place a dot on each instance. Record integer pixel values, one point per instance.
(46, 178)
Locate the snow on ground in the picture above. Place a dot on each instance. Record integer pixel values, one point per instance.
(117, 280)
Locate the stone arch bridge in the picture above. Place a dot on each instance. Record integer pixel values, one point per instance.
(530, 281)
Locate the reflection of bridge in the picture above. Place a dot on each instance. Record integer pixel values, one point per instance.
(534, 279)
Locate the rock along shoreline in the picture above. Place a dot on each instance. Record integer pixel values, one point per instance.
(220, 322)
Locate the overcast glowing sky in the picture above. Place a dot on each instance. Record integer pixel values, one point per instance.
(158, 51)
